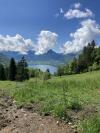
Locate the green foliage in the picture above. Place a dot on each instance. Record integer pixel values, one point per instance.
(12, 70)
(64, 86)
(97, 58)
(55, 96)
(46, 75)
(7, 73)
(94, 67)
(38, 74)
(92, 125)
(88, 60)
(59, 111)
(32, 73)
(60, 71)
(51, 96)
(22, 70)
(73, 66)
(2, 72)
(75, 105)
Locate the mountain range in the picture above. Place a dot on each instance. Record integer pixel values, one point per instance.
(49, 58)
(4, 59)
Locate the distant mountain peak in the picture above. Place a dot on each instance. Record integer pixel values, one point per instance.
(50, 51)
(51, 57)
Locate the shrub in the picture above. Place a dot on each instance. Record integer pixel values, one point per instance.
(60, 112)
(75, 105)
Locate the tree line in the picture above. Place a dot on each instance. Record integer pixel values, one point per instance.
(15, 71)
(19, 71)
(88, 60)
(38, 74)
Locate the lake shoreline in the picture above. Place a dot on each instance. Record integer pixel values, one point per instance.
(43, 68)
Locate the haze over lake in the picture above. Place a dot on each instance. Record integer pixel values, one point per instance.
(52, 69)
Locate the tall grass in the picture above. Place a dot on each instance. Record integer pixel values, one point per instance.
(91, 125)
(57, 95)
(60, 91)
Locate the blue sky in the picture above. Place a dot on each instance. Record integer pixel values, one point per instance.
(29, 18)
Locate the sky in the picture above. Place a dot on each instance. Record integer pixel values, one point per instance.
(62, 25)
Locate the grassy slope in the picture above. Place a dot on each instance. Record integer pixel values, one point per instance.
(85, 88)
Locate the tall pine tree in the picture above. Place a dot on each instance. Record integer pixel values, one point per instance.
(2, 72)
(12, 70)
(22, 70)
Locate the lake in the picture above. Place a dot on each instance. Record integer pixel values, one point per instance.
(52, 69)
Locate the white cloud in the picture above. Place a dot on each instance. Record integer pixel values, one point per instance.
(76, 13)
(46, 41)
(88, 31)
(16, 43)
(77, 5)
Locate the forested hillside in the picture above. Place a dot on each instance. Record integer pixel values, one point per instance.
(88, 60)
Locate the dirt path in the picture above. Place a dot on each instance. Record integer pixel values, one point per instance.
(13, 120)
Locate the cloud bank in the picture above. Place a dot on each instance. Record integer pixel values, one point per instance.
(16, 43)
(76, 13)
(46, 40)
(88, 31)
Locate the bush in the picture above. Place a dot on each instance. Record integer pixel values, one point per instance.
(94, 67)
(75, 105)
(60, 112)
(46, 75)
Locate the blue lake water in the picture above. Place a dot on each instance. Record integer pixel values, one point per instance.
(52, 69)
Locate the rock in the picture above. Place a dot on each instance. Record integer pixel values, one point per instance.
(42, 125)
(69, 123)
(25, 115)
(57, 122)
(72, 127)
(14, 102)
(35, 114)
(22, 110)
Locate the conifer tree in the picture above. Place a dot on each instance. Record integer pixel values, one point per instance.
(2, 72)
(12, 70)
(22, 70)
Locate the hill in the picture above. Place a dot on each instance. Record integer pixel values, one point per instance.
(81, 99)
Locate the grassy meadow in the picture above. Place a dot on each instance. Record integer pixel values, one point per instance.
(74, 94)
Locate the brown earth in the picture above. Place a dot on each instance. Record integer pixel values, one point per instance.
(14, 120)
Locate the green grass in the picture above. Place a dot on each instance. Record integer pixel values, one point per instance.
(80, 90)
(91, 125)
